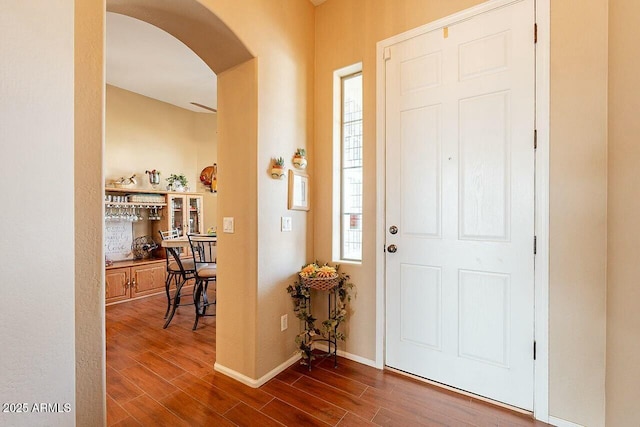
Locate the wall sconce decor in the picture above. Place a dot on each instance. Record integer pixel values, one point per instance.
(299, 158)
(277, 168)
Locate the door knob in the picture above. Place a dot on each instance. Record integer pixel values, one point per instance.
(392, 248)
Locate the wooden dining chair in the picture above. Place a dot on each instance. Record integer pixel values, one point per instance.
(204, 255)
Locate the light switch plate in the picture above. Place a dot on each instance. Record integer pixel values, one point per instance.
(228, 224)
(285, 223)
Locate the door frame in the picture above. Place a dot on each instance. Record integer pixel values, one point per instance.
(541, 220)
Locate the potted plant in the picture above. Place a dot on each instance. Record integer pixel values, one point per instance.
(277, 168)
(177, 182)
(325, 278)
(299, 159)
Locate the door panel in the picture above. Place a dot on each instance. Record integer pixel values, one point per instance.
(484, 316)
(421, 289)
(421, 170)
(484, 167)
(484, 55)
(459, 177)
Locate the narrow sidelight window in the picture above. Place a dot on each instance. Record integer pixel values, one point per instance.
(351, 166)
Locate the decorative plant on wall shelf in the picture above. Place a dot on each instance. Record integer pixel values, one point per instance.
(177, 182)
(299, 158)
(277, 167)
(322, 277)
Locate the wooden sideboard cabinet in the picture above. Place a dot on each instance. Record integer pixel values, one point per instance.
(147, 212)
(133, 279)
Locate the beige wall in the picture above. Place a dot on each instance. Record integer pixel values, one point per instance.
(37, 320)
(236, 319)
(144, 134)
(623, 326)
(346, 33)
(578, 217)
(89, 254)
(280, 34)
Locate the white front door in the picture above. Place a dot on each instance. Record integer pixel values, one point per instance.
(460, 190)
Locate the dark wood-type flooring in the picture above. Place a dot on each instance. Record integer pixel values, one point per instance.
(165, 377)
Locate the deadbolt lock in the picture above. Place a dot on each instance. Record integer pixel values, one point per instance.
(393, 229)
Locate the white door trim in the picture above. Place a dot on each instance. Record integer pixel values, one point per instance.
(541, 365)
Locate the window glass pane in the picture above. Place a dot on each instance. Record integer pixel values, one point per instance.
(351, 209)
(352, 236)
(352, 191)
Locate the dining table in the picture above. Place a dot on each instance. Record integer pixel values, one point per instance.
(183, 241)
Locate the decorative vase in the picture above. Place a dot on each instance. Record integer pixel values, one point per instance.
(299, 162)
(154, 178)
(277, 172)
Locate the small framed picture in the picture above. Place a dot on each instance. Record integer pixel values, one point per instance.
(298, 191)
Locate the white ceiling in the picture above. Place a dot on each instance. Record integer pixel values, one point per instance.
(144, 59)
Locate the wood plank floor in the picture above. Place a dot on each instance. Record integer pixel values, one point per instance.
(165, 377)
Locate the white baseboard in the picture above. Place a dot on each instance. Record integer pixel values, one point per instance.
(559, 422)
(349, 356)
(255, 383)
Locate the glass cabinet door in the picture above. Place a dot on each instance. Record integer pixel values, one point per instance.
(195, 214)
(177, 214)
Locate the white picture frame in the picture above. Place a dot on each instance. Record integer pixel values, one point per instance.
(299, 187)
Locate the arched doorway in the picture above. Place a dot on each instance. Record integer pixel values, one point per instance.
(202, 31)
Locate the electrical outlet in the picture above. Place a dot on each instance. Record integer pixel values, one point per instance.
(284, 322)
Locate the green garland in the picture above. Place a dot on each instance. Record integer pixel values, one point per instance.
(301, 294)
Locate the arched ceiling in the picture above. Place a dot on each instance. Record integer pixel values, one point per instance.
(144, 59)
(192, 24)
